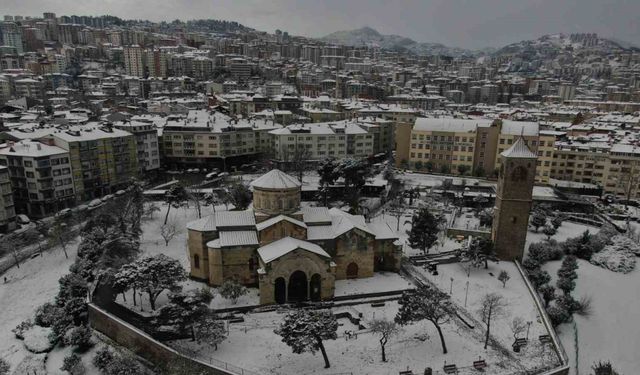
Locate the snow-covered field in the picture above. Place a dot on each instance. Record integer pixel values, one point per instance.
(611, 333)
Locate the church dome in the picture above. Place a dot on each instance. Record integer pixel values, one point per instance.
(275, 180)
(276, 193)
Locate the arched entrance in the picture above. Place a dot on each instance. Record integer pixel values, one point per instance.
(297, 287)
(280, 290)
(352, 271)
(316, 286)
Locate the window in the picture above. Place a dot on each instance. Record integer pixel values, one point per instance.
(196, 261)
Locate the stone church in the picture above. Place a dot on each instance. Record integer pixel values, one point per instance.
(513, 200)
(291, 253)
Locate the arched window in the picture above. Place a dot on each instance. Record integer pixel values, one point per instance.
(251, 264)
(196, 261)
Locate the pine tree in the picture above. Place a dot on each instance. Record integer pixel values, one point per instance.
(538, 220)
(424, 230)
(426, 303)
(240, 196)
(306, 330)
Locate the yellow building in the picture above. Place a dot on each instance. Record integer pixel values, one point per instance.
(291, 253)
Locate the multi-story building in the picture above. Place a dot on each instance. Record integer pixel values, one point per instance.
(383, 132)
(103, 159)
(7, 210)
(204, 138)
(133, 62)
(41, 177)
(146, 143)
(465, 146)
(344, 139)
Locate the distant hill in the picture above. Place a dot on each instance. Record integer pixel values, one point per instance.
(367, 36)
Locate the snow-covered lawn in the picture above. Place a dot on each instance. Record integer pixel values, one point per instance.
(380, 282)
(567, 230)
(612, 332)
(27, 287)
(254, 346)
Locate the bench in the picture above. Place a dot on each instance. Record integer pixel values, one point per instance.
(377, 304)
(479, 364)
(450, 369)
(408, 372)
(545, 339)
(236, 320)
(521, 342)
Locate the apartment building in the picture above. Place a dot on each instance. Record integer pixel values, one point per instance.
(133, 61)
(41, 177)
(103, 159)
(466, 146)
(147, 145)
(614, 167)
(203, 137)
(7, 209)
(383, 132)
(343, 139)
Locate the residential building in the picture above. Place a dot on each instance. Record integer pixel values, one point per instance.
(7, 209)
(41, 177)
(147, 146)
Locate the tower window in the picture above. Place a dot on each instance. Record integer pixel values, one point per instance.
(196, 261)
(514, 219)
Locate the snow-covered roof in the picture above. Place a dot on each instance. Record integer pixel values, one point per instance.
(382, 231)
(28, 148)
(238, 238)
(206, 224)
(276, 219)
(450, 124)
(519, 150)
(315, 215)
(275, 179)
(235, 219)
(277, 249)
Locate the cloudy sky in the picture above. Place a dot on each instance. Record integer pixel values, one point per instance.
(459, 23)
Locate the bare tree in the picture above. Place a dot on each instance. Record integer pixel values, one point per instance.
(504, 277)
(195, 199)
(11, 244)
(60, 235)
(492, 305)
(297, 159)
(168, 231)
(397, 209)
(385, 329)
(517, 326)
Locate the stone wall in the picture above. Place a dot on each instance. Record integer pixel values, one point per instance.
(281, 230)
(144, 345)
(233, 263)
(274, 202)
(347, 252)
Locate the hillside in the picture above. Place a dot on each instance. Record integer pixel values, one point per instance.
(367, 36)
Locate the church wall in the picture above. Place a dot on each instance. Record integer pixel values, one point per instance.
(297, 260)
(196, 242)
(236, 265)
(281, 230)
(276, 202)
(347, 252)
(389, 253)
(215, 267)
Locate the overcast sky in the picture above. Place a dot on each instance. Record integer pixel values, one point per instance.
(457, 23)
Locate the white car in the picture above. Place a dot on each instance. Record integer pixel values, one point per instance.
(23, 219)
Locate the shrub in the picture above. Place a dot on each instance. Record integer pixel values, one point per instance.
(232, 290)
(4, 367)
(619, 256)
(103, 357)
(73, 365)
(47, 314)
(78, 336)
(583, 306)
(545, 251)
(539, 278)
(558, 315)
(21, 328)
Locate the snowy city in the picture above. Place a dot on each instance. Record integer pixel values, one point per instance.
(213, 194)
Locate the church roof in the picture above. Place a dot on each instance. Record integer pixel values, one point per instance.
(275, 179)
(276, 219)
(519, 150)
(284, 246)
(246, 218)
(235, 238)
(316, 215)
(206, 224)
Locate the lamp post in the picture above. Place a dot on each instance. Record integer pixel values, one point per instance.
(466, 293)
(528, 326)
(451, 287)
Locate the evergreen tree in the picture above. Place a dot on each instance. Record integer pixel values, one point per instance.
(424, 229)
(240, 196)
(549, 231)
(426, 303)
(209, 330)
(538, 220)
(329, 172)
(306, 330)
(232, 290)
(548, 294)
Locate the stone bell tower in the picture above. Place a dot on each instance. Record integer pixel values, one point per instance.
(513, 201)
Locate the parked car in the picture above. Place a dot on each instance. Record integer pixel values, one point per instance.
(22, 219)
(95, 204)
(65, 213)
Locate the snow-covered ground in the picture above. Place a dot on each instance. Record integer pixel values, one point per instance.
(27, 287)
(611, 333)
(253, 345)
